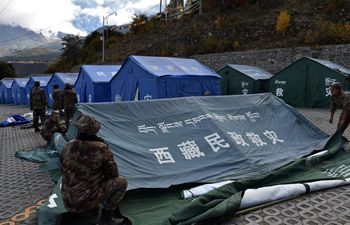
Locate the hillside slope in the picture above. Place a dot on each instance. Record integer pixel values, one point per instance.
(228, 25)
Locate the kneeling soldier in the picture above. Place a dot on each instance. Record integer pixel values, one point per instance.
(89, 173)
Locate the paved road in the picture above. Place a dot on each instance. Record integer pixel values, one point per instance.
(23, 187)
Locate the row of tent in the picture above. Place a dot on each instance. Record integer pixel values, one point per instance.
(139, 78)
(305, 83)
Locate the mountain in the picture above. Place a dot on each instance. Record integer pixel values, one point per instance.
(45, 55)
(16, 38)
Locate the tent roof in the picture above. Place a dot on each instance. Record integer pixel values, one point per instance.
(332, 66)
(7, 82)
(100, 73)
(22, 82)
(70, 78)
(254, 72)
(42, 79)
(166, 66)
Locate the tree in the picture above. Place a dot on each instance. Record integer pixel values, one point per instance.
(283, 20)
(72, 45)
(282, 24)
(6, 70)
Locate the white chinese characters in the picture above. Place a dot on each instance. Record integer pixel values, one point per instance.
(279, 92)
(272, 136)
(163, 155)
(216, 142)
(190, 150)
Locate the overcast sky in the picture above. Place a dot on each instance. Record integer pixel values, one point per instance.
(72, 16)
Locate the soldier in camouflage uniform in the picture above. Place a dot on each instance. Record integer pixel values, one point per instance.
(69, 99)
(38, 105)
(340, 99)
(51, 126)
(89, 173)
(56, 97)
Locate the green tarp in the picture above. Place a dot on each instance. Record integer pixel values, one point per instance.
(167, 206)
(48, 156)
(160, 145)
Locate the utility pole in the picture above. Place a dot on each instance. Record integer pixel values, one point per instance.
(103, 39)
(160, 7)
(166, 13)
(105, 18)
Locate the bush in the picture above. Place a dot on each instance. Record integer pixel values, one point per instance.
(333, 32)
(333, 5)
(218, 23)
(236, 45)
(283, 20)
(211, 44)
(311, 37)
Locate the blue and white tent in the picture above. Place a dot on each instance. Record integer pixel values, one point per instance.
(5, 91)
(43, 83)
(93, 83)
(18, 90)
(145, 77)
(60, 79)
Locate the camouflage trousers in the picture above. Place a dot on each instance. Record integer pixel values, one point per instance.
(36, 114)
(114, 191)
(110, 193)
(344, 121)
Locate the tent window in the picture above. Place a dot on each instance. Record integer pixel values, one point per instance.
(137, 93)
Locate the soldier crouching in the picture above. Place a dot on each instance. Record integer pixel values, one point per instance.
(51, 126)
(90, 175)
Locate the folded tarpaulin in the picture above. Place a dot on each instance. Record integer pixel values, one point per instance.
(14, 120)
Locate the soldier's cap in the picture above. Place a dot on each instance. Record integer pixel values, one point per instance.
(336, 85)
(55, 86)
(55, 112)
(36, 83)
(67, 86)
(87, 125)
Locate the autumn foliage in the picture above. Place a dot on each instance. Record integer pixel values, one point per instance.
(283, 21)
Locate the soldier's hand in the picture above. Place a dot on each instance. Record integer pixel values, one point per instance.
(330, 120)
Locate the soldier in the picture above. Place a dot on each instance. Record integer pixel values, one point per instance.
(56, 97)
(51, 126)
(37, 105)
(340, 99)
(69, 99)
(89, 173)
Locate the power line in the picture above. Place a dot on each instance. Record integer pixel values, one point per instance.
(3, 9)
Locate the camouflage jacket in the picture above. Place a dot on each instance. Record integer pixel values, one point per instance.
(37, 99)
(84, 166)
(341, 102)
(56, 97)
(50, 127)
(69, 99)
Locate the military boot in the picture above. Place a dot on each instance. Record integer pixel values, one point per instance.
(108, 218)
